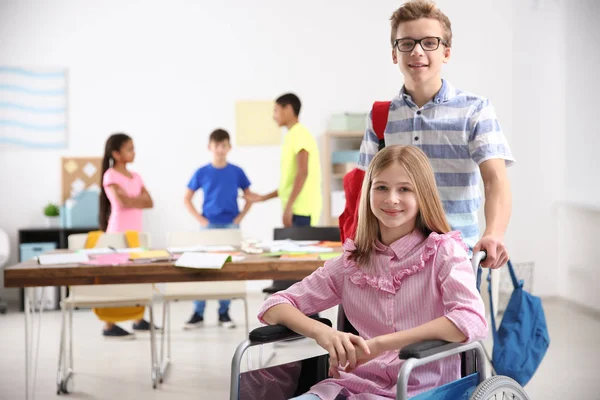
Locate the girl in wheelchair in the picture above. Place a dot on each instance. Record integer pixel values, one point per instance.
(405, 278)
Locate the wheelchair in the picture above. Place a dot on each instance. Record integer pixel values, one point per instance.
(285, 381)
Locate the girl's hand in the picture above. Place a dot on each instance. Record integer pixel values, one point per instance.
(342, 348)
(363, 357)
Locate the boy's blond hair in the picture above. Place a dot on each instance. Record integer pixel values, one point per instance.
(416, 9)
(431, 216)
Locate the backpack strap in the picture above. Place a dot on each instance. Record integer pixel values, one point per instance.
(379, 115)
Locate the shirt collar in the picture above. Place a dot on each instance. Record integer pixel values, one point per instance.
(445, 94)
(401, 247)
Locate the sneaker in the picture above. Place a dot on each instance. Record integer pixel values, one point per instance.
(195, 321)
(116, 332)
(225, 321)
(143, 326)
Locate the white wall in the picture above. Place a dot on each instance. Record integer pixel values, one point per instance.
(168, 73)
(579, 216)
(539, 118)
(582, 90)
(578, 254)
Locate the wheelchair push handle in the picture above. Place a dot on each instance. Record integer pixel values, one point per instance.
(477, 259)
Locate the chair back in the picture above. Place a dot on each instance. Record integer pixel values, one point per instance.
(102, 292)
(322, 233)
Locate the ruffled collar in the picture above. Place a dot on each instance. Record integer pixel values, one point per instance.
(399, 249)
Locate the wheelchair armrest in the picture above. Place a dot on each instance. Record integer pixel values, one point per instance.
(277, 333)
(426, 349)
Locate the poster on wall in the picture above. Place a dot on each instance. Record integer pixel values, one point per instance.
(33, 107)
(81, 179)
(254, 125)
(80, 174)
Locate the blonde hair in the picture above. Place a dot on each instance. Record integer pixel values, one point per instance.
(417, 9)
(430, 216)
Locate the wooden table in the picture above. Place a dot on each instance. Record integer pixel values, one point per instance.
(30, 274)
(253, 267)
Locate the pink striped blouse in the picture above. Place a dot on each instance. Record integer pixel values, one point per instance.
(411, 282)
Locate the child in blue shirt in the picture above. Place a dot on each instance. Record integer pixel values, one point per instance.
(220, 181)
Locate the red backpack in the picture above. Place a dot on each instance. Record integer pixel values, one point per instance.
(353, 180)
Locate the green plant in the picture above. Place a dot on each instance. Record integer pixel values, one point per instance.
(51, 210)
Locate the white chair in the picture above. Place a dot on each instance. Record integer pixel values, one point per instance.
(199, 290)
(4, 256)
(102, 296)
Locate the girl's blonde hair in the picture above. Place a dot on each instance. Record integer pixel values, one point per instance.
(430, 215)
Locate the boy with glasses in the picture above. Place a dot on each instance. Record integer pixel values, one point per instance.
(457, 130)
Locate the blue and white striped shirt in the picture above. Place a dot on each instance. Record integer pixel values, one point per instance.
(458, 131)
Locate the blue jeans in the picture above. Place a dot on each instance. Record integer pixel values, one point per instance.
(300, 220)
(220, 226)
(200, 305)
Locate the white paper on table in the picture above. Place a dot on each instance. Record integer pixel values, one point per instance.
(108, 250)
(199, 248)
(288, 242)
(66, 258)
(202, 260)
(293, 248)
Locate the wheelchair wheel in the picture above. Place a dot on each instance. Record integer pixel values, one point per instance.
(499, 388)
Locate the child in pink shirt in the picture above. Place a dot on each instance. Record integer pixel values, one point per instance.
(122, 199)
(404, 279)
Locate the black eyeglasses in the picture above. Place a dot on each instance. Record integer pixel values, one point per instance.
(429, 43)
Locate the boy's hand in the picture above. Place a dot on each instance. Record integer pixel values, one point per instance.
(203, 221)
(497, 255)
(287, 218)
(253, 197)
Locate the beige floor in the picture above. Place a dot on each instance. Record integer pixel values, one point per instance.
(120, 370)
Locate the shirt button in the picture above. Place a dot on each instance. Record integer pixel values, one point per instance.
(390, 323)
(382, 366)
(419, 112)
(391, 296)
(416, 138)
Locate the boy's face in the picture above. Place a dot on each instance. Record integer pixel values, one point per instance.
(219, 149)
(282, 114)
(419, 66)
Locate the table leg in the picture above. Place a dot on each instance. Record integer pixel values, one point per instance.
(32, 341)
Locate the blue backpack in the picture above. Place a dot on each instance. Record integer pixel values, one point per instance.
(522, 339)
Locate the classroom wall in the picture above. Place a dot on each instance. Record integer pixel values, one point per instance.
(168, 73)
(578, 254)
(579, 215)
(583, 134)
(539, 119)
